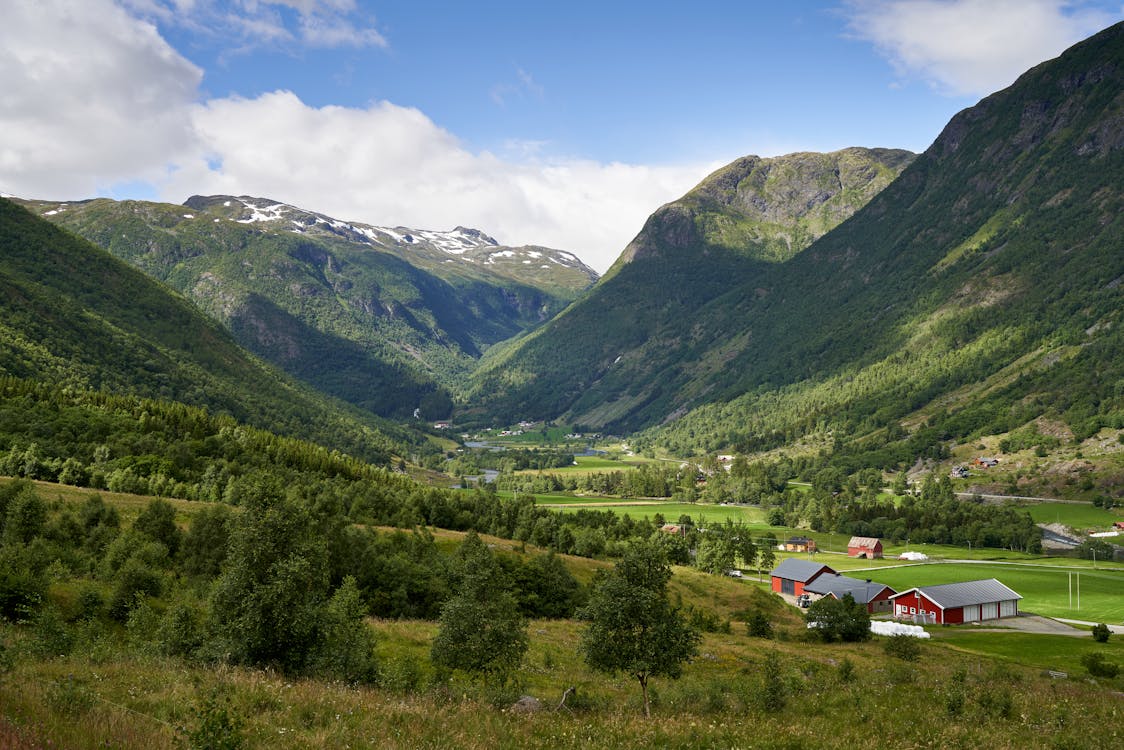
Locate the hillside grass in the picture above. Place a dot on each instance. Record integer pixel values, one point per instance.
(111, 697)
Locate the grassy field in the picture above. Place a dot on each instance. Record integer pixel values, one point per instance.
(700, 514)
(1053, 652)
(1075, 515)
(1045, 591)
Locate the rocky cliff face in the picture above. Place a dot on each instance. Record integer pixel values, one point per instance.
(771, 209)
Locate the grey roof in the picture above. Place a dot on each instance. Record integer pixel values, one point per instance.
(798, 570)
(952, 595)
(863, 541)
(832, 583)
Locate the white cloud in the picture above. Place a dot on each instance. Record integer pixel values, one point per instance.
(91, 96)
(386, 164)
(971, 47)
(271, 23)
(94, 99)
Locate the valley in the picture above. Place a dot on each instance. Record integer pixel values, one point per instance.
(273, 478)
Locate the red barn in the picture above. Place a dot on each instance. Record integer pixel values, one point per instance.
(955, 603)
(875, 596)
(864, 546)
(792, 575)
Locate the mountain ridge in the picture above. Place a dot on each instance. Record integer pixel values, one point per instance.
(386, 324)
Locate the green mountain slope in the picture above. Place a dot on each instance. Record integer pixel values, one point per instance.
(74, 317)
(977, 292)
(635, 348)
(389, 319)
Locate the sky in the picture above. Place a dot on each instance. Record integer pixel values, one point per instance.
(557, 124)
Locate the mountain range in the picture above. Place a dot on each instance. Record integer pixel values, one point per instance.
(388, 319)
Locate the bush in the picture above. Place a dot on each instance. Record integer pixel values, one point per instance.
(1101, 633)
(759, 626)
(217, 727)
(1098, 666)
(839, 619)
(772, 694)
(904, 647)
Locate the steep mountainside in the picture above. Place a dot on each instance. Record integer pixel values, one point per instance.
(73, 316)
(978, 292)
(387, 319)
(621, 356)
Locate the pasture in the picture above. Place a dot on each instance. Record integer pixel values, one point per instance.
(1075, 515)
(1053, 652)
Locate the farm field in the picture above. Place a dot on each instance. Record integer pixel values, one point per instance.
(671, 511)
(1045, 591)
(1078, 516)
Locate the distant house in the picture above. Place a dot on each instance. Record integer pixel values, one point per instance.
(673, 528)
(875, 596)
(442, 425)
(793, 575)
(985, 463)
(955, 603)
(959, 472)
(865, 547)
(1118, 525)
(800, 544)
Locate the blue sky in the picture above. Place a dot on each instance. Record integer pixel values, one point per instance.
(562, 124)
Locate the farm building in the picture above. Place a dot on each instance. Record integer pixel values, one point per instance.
(800, 544)
(792, 575)
(876, 596)
(954, 603)
(864, 546)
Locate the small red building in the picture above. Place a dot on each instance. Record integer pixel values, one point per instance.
(956, 603)
(792, 575)
(864, 546)
(874, 596)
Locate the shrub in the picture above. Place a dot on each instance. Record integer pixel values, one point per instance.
(1101, 633)
(217, 727)
(846, 670)
(759, 626)
(1098, 666)
(904, 647)
(772, 694)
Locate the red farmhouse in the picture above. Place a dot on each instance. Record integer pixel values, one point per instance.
(792, 575)
(864, 546)
(955, 603)
(874, 596)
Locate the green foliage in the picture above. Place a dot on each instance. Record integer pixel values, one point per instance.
(347, 650)
(158, 522)
(207, 542)
(759, 625)
(217, 725)
(772, 693)
(266, 605)
(1099, 666)
(839, 619)
(1101, 633)
(481, 631)
(904, 647)
(632, 626)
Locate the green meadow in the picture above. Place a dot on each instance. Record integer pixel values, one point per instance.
(1076, 515)
(1060, 653)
